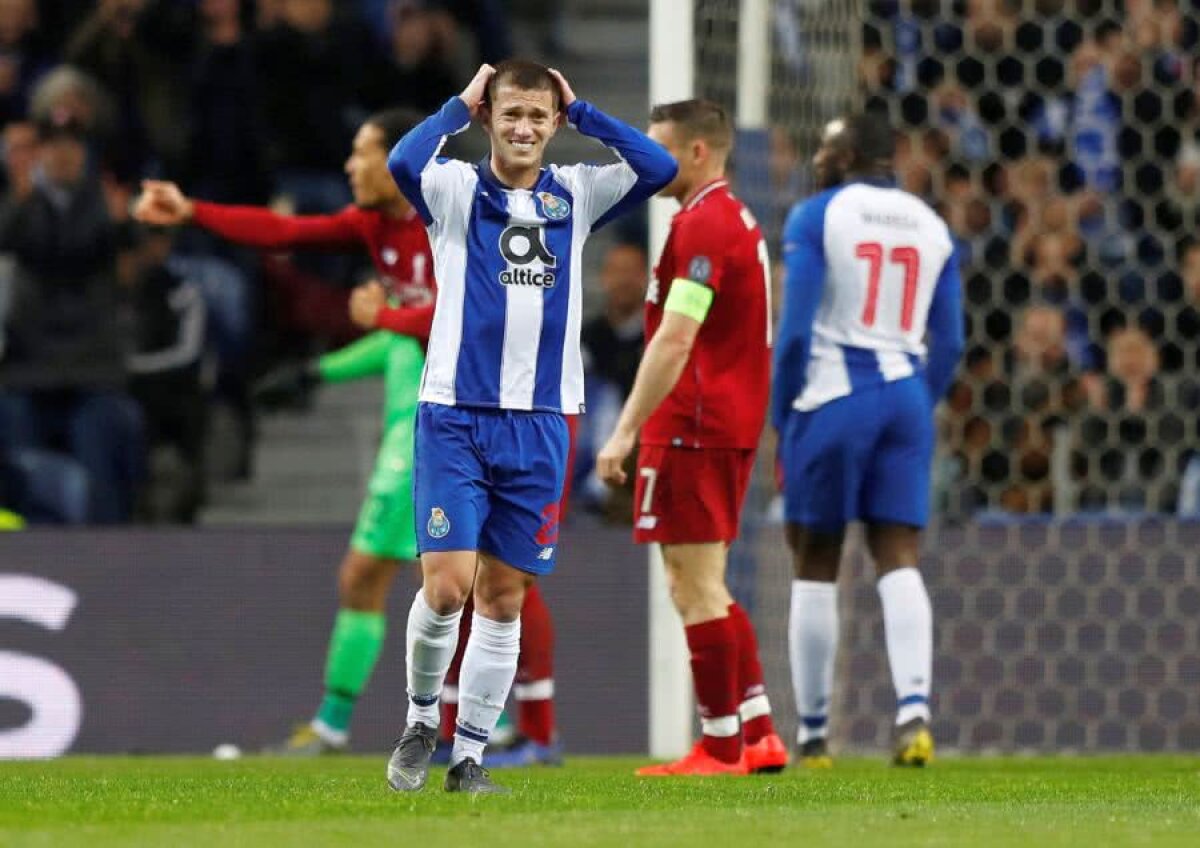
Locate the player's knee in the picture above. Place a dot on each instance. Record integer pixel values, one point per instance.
(444, 594)
(696, 595)
(499, 603)
(363, 582)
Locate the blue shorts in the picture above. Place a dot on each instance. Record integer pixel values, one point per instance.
(866, 456)
(490, 480)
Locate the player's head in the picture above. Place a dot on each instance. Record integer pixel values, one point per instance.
(699, 135)
(861, 144)
(366, 167)
(521, 111)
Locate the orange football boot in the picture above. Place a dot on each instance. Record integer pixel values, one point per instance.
(698, 763)
(766, 756)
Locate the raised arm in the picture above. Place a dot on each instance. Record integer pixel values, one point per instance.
(163, 204)
(945, 328)
(804, 282)
(644, 169)
(413, 161)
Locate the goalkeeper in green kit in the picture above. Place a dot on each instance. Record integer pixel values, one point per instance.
(400, 305)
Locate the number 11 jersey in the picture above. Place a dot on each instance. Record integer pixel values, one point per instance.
(885, 254)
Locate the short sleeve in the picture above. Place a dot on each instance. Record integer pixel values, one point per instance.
(700, 249)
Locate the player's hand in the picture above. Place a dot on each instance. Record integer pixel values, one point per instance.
(568, 96)
(162, 204)
(611, 459)
(365, 302)
(476, 89)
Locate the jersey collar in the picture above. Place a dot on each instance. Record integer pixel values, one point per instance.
(703, 192)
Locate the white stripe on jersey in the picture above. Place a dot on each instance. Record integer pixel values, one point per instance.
(892, 221)
(522, 320)
(447, 238)
(571, 386)
(826, 378)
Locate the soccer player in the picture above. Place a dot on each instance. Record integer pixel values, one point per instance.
(700, 401)
(870, 269)
(504, 368)
(384, 222)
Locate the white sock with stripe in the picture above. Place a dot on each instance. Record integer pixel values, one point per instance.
(488, 668)
(430, 641)
(908, 626)
(812, 647)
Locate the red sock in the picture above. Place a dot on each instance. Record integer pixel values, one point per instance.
(534, 685)
(752, 692)
(449, 708)
(713, 645)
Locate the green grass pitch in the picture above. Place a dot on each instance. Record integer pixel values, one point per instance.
(1027, 802)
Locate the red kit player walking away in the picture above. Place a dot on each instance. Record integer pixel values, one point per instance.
(700, 401)
(401, 300)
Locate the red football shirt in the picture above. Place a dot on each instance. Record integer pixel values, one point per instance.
(720, 400)
(399, 249)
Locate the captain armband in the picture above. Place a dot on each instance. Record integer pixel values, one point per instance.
(690, 299)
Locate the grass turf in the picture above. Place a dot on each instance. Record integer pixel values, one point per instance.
(596, 802)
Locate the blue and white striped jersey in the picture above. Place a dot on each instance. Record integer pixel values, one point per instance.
(870, 269)
(508, 261)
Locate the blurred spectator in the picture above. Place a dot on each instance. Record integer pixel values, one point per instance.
(166, 317)
(63, 375)
(24, 57)
(20, 157)
(136, 49)
(226, 156)
(1139, 466)
(420, 72)
(612, 345)
(314, 67)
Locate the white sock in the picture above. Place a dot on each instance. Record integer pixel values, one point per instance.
(488, 668)
(430, 643)
(812, 645)
(908, 626)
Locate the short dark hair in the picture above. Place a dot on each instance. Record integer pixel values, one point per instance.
(394, 124)
(870, 137)
(526, 74)
(697, 118)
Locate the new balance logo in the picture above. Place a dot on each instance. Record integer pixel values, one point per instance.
(546, 553)
(647, 522)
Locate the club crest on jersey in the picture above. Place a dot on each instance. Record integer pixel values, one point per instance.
(439, 525)
(522, 246)
(700, 269)
(553, 206)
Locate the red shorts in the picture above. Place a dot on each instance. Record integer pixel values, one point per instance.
(689, 496)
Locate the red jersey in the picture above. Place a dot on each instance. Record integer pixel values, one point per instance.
(399, 249)
(721, 398)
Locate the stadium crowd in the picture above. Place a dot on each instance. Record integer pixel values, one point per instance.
(125, 347)
(1060, 140)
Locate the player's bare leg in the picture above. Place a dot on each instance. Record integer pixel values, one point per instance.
(432, 636)
(488, 668)
(813, 635)
(696, 579)
(908, 627)
(364, 581)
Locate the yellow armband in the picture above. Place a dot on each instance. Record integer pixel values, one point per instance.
(690, 299)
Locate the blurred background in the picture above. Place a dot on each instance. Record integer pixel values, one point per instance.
(1059, 138)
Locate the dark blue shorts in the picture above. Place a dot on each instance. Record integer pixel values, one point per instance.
(490, 480)
(866, 456)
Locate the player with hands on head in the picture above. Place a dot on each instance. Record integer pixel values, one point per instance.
(870, 273)
(700, 402)
(399, 304)
(504, 369)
